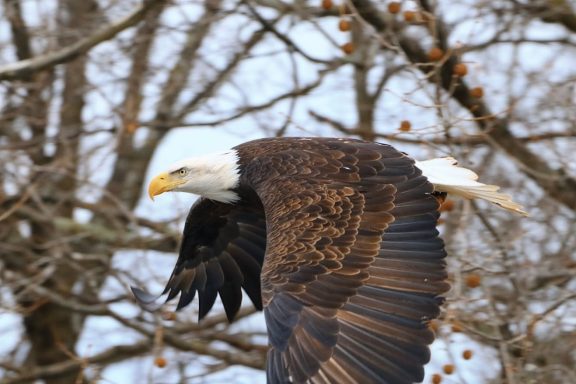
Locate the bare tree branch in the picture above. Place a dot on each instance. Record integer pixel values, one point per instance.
(24, 68)
(113, 354)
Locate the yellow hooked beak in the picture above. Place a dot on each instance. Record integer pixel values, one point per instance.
(164, 182)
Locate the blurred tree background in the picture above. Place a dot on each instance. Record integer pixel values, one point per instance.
(89, 90)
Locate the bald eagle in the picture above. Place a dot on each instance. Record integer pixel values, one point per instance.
(334, 239)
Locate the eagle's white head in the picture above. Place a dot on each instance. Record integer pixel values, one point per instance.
(211, 176)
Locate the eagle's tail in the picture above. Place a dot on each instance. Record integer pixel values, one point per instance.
(450, 178)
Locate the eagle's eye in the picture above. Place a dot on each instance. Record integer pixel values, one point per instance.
(182, 172)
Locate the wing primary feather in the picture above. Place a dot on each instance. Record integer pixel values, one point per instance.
(231, 297)
(276, 370)
(146, 300)
(281, 315)
(207, 298)
(185, 298)
(214, 274)
(199, 282)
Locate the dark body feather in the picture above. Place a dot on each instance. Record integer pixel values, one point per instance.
(336, 240)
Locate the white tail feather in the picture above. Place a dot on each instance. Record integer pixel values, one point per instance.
(450, 178)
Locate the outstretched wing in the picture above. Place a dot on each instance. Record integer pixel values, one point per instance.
(354, 265)
(222, 251)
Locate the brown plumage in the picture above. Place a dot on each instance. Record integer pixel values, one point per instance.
(335, 239)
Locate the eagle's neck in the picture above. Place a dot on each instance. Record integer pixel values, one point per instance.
(228, 196)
